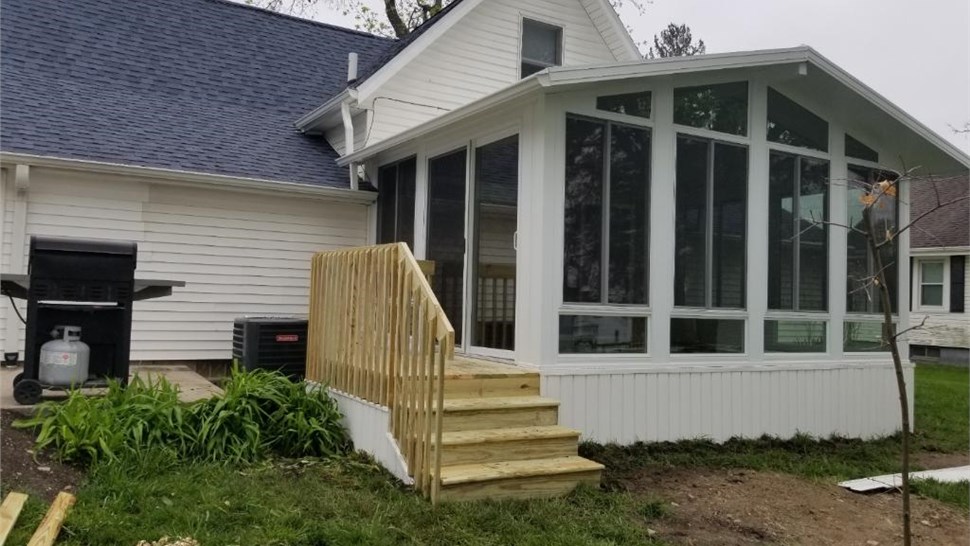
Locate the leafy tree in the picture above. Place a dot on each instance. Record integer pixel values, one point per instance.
(675, 41)
(398, 17)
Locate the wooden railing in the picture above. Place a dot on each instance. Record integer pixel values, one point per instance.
(377, 332)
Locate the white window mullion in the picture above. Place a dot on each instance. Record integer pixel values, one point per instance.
(838, 240)
(663, 222)
(757, 233)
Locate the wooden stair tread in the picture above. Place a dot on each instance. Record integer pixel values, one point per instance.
(471, 473)
(496, 435)
(464, 367)
(499, 403)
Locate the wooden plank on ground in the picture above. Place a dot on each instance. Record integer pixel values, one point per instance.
(47, 532)
(13, 503)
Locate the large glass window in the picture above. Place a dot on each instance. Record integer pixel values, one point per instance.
(711, 210)
(602, 334)
(446, 232)
(631, 104)
(720, 107)
(795, 336)
(606, 212)
(395, 202)
(858, 150)
(931, 283)
(863, 295)
(863, 337)
(797, 234)
(541, 46)
(790, 123)
(691, 335)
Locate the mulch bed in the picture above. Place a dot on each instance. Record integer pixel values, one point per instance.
(22, 470)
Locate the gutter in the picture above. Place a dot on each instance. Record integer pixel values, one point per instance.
(177, 177)
(309, 120)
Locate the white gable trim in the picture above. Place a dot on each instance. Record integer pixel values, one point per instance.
(617, 26)
(376, 80)
(563, 76)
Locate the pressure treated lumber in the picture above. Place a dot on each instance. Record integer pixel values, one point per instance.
(47, 531)
(13, 503)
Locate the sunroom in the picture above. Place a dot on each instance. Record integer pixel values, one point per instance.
(666, 241)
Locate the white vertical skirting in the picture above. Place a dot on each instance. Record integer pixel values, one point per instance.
(856, 400)
(368, 425)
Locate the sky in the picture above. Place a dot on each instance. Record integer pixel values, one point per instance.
(916, 53)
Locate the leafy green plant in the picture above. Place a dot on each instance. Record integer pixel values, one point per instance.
(260, 412)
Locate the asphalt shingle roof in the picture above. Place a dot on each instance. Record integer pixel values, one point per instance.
(945, 227)
(196, 85)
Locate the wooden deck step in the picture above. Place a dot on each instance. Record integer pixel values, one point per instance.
(507, 444)
(499, 412)
(518, 479)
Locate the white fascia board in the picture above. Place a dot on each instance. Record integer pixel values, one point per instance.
(617, 26)
(514, 91)
(171, 176)
(376, 80)
(888, 107)
(940, 251)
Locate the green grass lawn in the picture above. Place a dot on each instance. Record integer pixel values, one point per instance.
(352, 501)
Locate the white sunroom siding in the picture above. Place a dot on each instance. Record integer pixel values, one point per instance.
(717, 404)
(239, 253)
(478, 56)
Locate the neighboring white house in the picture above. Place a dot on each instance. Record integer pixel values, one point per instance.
(641, 232)
(940, 248)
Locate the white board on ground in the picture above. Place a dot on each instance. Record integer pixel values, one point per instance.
(891, 481)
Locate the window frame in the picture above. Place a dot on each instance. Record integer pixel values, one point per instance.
(604, 306)
(541, 65)
(713, 140)
(944, 262)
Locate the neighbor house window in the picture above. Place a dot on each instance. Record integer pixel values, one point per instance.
(395, 202)
(602, 334)
(630, 104)
(789, 123)
(606, 212)
(858, 150)
(721, 107)
(863, 294)
(541, 46)
(710, 235)
(931, 284)
(797, 233)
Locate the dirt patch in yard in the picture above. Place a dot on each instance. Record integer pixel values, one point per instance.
(735, 507)
(21, 471)
(933, 461)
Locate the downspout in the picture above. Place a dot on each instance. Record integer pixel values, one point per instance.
(347, 119)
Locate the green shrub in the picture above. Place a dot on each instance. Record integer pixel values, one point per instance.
(260, 412)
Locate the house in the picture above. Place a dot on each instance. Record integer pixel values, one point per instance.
(940, 245)
(643, 243)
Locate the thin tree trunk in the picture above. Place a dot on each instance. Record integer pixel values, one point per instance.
(400, 28)
(889, 336)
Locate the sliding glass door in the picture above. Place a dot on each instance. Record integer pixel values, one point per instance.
(480, 306)
(493, 254)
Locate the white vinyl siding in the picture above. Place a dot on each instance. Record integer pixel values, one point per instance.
(479, 55)
(239, 253)
(615, 39)
(846, 399)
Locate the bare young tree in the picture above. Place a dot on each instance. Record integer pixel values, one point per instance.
(878, 195)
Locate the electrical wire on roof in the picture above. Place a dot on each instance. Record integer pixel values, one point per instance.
(370, 125)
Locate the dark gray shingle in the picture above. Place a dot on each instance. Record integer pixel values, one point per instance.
(945, 227)
(197, 85)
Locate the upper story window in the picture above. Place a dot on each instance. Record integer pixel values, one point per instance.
(790, 123)
(629, 104)
(395, 202)
(721, 107)
(541, 46)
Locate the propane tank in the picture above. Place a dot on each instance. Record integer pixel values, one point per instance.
(64, 359)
